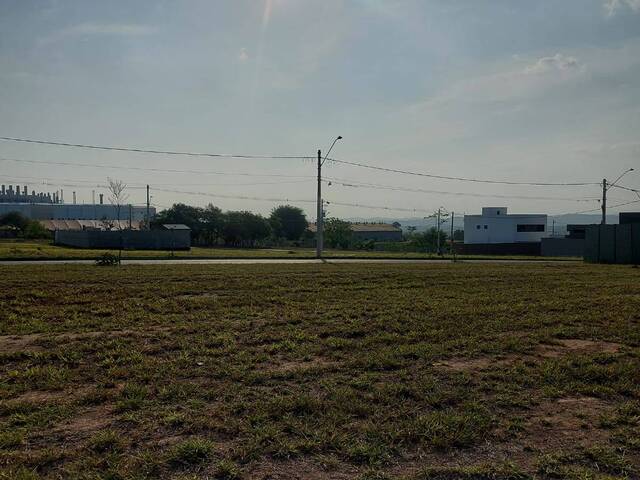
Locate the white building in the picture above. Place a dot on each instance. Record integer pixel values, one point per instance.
(496, 226)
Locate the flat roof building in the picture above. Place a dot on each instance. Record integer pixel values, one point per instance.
(495, 226)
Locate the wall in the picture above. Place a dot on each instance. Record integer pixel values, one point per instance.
(129, 239)
(502, 228)
(381, 236)
(521, 248)
(613, 244)
(562, 247)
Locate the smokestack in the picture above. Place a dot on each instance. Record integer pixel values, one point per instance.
(93, 197)
(25, 191)
(74, 197)
(3, 191)
(101, 198)
(61, 196)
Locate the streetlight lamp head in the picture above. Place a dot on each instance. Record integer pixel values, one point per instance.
(340, 138)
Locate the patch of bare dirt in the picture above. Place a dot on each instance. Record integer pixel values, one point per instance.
(562, 347)
(32, 342)
(86, 423)
(565, 422)
(557, 349)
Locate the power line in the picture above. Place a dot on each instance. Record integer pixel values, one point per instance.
(304, 157)
(598, 209)
(161, 170)
(158, 152)
(52, 181)
(357, 184)
(463, 179)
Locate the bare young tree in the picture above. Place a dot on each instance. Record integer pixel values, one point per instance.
(117, 196)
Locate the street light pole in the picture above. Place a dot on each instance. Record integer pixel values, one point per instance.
(319, 219)
(319, 206)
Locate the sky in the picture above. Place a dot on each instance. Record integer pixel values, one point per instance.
(514, 90)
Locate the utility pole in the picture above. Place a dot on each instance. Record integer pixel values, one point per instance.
(320, 206)
(319, 221)
(148, 215)
(452, 218)
(604, 201)
(438, 232)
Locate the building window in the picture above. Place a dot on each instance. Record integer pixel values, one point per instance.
(498, 212)
(530, 228)
(486, 227)
(477, 227)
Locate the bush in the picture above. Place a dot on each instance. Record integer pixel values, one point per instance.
(108, 260)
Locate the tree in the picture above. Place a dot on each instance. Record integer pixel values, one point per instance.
(117, 196)
(212, 224)
(428, 241)
(25, 227)
(15, 220)
(288, 222)
(458, 235)
(337, 233)
(244, 228)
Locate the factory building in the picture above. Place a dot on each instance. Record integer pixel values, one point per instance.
(51, 206)
(63, 211)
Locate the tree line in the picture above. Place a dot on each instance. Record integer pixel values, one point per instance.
(211, 226)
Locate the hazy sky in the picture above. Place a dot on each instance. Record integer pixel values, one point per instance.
(542, 90)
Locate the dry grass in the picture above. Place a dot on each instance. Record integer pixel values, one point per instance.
(320, 371)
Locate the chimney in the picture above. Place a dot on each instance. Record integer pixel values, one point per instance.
(3, 190)
(61, 196)
(74, 198)
(101, 198)
(25, 191)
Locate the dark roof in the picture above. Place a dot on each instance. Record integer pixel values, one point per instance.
(175, 226)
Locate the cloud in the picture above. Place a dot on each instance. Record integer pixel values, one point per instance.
(611, 7)
(512, 81)
(243, 56)
(558, 62)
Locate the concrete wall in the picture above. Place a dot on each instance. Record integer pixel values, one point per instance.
(521, 248)
(129, 239)
(562, 247)
(613, 243)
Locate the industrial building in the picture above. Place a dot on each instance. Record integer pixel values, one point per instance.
(64, 211)
(51, 206)
(495, 231)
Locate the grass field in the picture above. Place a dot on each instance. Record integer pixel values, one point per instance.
(320, 371)
(44, 250)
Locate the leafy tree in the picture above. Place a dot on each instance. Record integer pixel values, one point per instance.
(428, 241)
(337, 233)
(35, 229)
(288, 222)
(212, 224)
(244, 228)
(15, 220)
(458, 235)
(27, 228)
